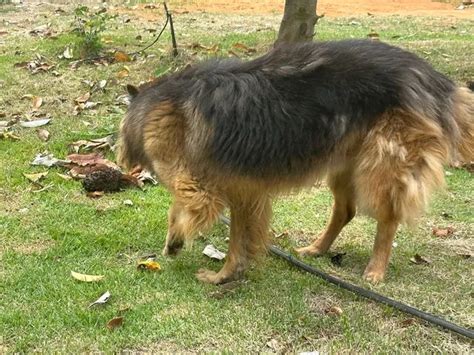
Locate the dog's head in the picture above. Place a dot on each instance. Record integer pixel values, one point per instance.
(152, 135)
(194, 209)
(129, 149)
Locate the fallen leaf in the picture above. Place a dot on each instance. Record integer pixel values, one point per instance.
(101, 300)
(122, 74)
(333, 311)
(373, 35)
(39, 30)
(465, 255)
(407, 322)
(9, 135)
(124, 308)
(211, 251)
(244, 48)
(337, 259)
(232, 53)
(40, 188)
(225, 289)
(104, 143)
(102, 84)
(418, 259)
(64, 176)
(150, 265)
(43, 134)
(88, 83)
(23, 65)
(35, 66)
(115, 323)
(35, 178)
(281, 235)
(132, 181)
(443, 232)
(95, 194)
(143, 175)
(83, 98)
(468, 165)
(213, 49)
(37, 102)
(90, 105)
(35, 123)
(86, 278)
(122, 57)
(274, 345)
(90, 159)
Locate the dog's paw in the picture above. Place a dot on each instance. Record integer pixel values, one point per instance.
(310, 250)
(373, 276)
(211, 277)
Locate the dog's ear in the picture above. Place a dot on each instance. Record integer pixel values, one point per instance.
(132, 91)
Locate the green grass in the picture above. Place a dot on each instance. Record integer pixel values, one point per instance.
(43, 236)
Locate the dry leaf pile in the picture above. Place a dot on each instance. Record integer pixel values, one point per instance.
(43, 31)
(38, 65)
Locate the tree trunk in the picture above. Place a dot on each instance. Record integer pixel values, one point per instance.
(298, 21)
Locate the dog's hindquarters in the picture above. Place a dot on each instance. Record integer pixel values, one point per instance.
(399, 166)
(463, 102)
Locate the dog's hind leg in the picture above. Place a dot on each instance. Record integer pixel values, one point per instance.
(375, 270)
(343, 211)
(400, 164)
(249, 232)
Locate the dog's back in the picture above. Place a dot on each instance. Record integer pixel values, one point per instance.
(278, 113)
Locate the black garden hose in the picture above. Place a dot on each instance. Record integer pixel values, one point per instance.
(367, 293)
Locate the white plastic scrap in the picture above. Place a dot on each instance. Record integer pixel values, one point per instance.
(102, 299)
(45, 160)
(211, 251)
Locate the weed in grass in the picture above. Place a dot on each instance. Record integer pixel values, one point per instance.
(88, 26)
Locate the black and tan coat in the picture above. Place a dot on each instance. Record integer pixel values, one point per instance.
(376, 121)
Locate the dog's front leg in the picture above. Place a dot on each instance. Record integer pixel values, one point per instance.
(248, 239)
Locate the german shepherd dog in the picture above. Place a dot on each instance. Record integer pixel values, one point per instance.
(376, 121)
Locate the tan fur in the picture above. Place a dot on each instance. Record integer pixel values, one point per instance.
(464, 116)
(400, 164)
(388, 172)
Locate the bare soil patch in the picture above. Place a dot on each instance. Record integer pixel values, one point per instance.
(329, 8)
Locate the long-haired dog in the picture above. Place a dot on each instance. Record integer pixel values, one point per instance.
(377, 121)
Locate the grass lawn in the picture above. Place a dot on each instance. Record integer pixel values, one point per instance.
(44, 235)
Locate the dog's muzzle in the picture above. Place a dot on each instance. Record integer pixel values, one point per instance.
(173, 247)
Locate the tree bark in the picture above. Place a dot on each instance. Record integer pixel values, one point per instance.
(298, 21)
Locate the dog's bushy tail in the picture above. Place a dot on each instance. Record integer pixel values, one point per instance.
(464, 117)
